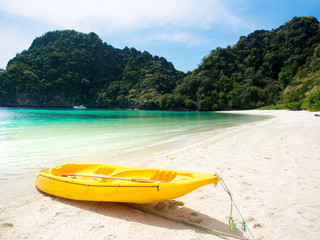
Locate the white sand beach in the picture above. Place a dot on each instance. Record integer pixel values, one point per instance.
(271, 167)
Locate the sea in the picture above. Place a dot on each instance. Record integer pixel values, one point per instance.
(36, 139)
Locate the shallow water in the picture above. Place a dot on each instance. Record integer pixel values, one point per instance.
(35, 139)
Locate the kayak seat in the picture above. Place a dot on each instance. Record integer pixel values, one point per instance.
(164, 176)
(104, 171)
(153, 174)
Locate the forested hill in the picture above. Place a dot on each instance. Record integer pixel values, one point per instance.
(264, 68)
(64, 68)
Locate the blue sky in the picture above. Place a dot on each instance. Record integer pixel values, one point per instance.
(182, 31)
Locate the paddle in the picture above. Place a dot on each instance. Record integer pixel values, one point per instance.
(140, 180)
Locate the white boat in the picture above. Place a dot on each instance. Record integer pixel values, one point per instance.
(79, 107)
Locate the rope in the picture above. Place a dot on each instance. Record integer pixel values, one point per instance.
(158, 214)
(232, 222)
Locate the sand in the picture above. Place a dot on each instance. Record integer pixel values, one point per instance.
(271, 168)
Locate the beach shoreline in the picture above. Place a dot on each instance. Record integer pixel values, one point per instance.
(271, 168)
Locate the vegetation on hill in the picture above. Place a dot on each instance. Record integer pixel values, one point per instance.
(264, 68)
(64, 68)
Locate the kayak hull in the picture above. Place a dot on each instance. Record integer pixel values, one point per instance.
(168, 184)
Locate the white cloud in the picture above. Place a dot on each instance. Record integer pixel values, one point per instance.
(189, 22)
(187, 38)
(108, 16)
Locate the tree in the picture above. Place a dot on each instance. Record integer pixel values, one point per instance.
(313, 100)
(263, 68)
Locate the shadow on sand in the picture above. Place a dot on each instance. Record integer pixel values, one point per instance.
(172, 210)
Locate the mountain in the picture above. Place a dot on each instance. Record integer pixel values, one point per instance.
(63, 68)
(265, 68)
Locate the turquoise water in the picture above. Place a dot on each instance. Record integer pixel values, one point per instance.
(31, 139)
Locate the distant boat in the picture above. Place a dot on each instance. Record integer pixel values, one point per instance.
(79, 107)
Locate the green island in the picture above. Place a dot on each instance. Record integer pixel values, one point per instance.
(278, 68)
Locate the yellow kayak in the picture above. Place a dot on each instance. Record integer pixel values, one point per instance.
(110, 183)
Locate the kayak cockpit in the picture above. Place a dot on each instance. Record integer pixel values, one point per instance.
(93, 171)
